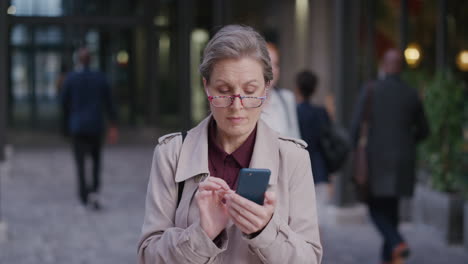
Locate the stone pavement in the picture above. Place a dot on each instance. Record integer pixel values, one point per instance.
(46, 224)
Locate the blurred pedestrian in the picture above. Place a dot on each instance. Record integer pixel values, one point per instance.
(86, 96)
(392, 114)
(206, 221)
(312, 120)
(280, 109)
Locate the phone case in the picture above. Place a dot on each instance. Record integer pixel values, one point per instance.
(253, 183)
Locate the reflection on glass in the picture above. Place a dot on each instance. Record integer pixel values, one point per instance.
(47, 71)
(37, 7)
(20, 82)
(19, 35)
(19, 75)
(49, 35)
(71, 7)
(92, 43)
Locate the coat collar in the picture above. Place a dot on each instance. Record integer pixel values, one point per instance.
(193, 159)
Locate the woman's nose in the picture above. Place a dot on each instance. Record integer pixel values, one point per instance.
(237, 103)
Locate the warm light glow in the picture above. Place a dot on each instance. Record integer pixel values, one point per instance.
(200, 35)
(161, 21)
(301, 31)
(11, 10)
(462, 60)
(413, 55)
(122, 57)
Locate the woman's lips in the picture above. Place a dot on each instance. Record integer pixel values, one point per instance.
(236, 120)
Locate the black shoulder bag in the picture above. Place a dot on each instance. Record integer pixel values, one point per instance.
(334, 145)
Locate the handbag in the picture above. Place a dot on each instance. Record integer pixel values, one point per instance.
(335, 146)
(361, 164)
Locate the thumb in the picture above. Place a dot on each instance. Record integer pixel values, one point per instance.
(270, 198)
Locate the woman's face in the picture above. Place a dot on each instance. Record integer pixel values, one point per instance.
(242, 76)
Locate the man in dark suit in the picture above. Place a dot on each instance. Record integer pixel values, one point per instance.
(396, 122)
(86, 98)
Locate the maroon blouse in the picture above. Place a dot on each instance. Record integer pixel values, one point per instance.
(227, 166)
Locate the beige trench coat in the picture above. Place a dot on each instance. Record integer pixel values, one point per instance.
(174, 235)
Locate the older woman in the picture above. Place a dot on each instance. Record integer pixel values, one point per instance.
(210, 223)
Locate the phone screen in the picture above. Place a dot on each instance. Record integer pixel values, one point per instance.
(253, 184)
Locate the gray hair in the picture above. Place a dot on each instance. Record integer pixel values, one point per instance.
(235, 42)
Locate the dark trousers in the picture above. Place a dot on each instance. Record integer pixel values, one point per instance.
(384, 212)
(87, 146)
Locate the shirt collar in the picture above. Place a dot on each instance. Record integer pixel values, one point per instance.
(242, 155)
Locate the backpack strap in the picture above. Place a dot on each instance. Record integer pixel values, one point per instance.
(181, 184)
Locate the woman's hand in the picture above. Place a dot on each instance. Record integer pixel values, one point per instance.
(213, 211)
(248, 216)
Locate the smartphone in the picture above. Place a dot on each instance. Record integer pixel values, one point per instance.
(253, 183)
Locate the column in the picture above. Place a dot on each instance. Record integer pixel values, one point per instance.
(403, 24)
(184, 29)
(4, 71)
(151, 61)
(346, 84)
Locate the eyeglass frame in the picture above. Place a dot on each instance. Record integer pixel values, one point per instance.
(233, 97)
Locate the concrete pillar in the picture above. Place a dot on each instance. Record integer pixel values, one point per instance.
(4, 71)
(151, 62)
(184, 31)
(346, 86)
(403, 24)
(221, 13)
(319, 50)
(286, 25)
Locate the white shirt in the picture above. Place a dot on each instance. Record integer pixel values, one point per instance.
(281, 115)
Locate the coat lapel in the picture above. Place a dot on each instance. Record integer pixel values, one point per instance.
(266, 151)
(193, 159)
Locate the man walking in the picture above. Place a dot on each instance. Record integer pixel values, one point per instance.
(396, 122)
(86, 97)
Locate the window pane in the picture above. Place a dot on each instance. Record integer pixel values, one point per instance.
(20, 35)
(37, 8)
(49, 35)
(74, 7)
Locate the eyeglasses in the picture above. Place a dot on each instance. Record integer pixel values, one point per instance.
(246, 101)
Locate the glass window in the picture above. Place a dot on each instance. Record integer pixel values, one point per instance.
(73, 7)
(47, 72)
(37, 8)
(20, 35)
(19, 75)
(49, 35)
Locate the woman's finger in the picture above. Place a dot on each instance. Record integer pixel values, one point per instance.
(248, 205)
(243, 224)
(218, 181)
(249, 216)
(270, 199)
(209, 185)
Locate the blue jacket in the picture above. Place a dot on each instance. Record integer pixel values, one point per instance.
(86, 98)
(311, 119)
